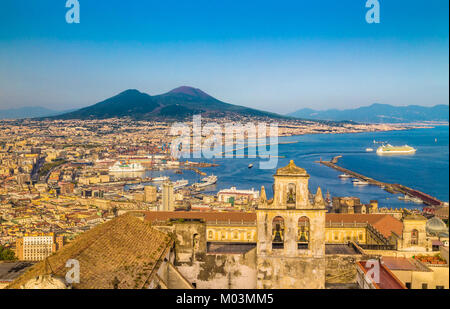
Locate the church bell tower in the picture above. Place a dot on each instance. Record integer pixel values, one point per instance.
(291, 234)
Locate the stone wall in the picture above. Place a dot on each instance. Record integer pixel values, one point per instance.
(291, 273)
(222, 271)
(341, 268)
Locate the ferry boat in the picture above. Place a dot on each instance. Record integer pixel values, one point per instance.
(137, 187)
(180, 184)
(207, 181)
(411, 199)
(125, 167)
(160, 179)
(389, 149)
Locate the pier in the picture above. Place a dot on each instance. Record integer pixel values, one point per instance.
(389, 187)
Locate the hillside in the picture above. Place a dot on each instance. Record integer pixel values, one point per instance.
(177, 103)
(379, 113)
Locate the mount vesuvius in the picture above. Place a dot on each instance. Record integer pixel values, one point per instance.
(178, 103)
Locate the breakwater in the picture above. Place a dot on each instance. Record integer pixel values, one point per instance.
(389, 187)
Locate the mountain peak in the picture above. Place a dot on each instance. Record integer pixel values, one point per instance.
(130, 91)
(195, 92)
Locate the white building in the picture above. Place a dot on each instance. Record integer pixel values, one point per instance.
(233, 194)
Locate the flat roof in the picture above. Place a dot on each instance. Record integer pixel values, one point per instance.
(11, 270)
(401, 263)
(340, 249)
(229, 248)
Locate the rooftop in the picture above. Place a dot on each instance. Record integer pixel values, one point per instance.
(125, 248)
(11, 270)
(383, 223)
(387, 279)
(401, 263)
(291, 169)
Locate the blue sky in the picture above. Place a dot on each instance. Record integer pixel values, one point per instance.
(273, 55)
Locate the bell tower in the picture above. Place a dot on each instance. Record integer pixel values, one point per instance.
(291, 234)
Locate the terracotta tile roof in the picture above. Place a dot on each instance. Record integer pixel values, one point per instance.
(387, 280)
(207, 216)
(385, 224)
(125, 247)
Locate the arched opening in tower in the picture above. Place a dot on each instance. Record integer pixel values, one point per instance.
(278, 233)
(303, 233)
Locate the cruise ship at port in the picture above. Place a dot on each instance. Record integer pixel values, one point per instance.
(207, 181)
(389, 149)
(126, 167)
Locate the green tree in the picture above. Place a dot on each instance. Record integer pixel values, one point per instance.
(7, 254)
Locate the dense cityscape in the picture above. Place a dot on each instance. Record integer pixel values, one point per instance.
(63, 179)
(226, 152)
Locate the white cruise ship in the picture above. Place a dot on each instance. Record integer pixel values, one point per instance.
(126, 167)
(389, 149)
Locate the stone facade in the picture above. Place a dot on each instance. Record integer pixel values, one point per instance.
(291, 231)
(414, 236)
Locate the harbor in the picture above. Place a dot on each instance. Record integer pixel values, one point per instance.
(389, 187)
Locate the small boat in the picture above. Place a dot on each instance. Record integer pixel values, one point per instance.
(250, 165)
(369, 149)
(360, 183)
(344, 176)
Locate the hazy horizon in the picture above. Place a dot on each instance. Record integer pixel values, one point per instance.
(273, 56)
(305, 107)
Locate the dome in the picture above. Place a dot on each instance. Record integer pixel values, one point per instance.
(436, 226)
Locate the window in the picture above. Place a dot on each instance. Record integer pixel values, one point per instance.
(439, 287)
(414, 237)
(291, 194)
(303, 233)
(424, 286)
(278, 233)
(408, 285)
